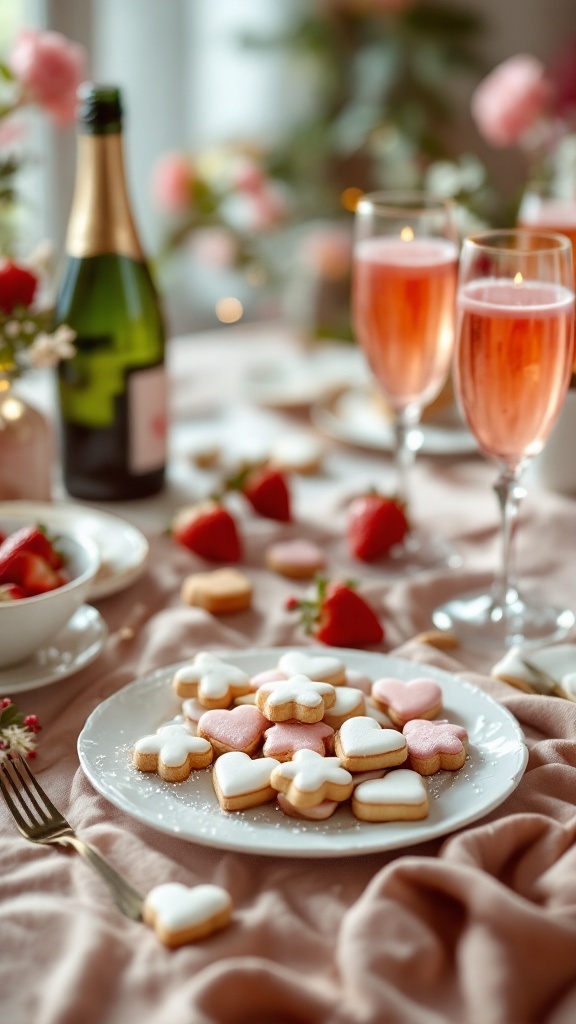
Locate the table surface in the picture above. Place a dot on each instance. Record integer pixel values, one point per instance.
(477, 926)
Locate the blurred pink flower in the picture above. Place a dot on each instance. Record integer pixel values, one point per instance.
(563, 77)
(172, 181)
(510, 99)
(327, 250)
(214, 247)
(49, 68)
(248, 176)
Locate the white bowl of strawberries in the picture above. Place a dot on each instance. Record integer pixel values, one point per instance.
(44, 578)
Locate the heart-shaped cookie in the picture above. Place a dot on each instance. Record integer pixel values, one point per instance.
(400, 796)
(362, 745)
(241, 782)
(179, 914)
(321, 668)
(418, 698)
(242, 728)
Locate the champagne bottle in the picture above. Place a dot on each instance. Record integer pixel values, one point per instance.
(112, 393)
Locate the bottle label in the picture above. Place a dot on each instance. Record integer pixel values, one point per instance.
(148, 419)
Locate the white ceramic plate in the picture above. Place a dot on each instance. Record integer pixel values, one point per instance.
(297, 381)
(494, 767)
(123, 548)
(353, 417)
(74, 647)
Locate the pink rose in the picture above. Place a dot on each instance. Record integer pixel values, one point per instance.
(510, 99)
(172, 182)
(49, 68)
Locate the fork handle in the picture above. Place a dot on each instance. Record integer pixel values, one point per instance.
(129, 901)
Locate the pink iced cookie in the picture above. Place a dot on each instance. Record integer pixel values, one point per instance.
(402, 701)
(319, 813)
(296, 559)
(435, 746)
(271, 675)
(242, 728)
(285, 738)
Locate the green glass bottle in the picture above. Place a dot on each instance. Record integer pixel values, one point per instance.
(112, 393)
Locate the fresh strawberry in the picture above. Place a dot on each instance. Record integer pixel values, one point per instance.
(35, 574)
(27, 538)
(11, 592)
(209, 530)
(339, 616)
(265, 488)
(375, 524)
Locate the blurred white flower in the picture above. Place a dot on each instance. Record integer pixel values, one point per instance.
(47, 350)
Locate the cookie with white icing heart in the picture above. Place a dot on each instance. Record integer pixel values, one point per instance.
(215, 683)
(172, 752)
(323, 668)
(299, 697)
(240, 728)
(309, 778)
(283, 739)
(400, 796)
(435, 746)
(179, 914)
(240, 781)
(349, 703)
(401, 701)
(362, 745)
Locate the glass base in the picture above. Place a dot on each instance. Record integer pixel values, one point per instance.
(478, 620)
(420, 552)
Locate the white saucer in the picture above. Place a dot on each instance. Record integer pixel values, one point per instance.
(123, 548)
(74, 647)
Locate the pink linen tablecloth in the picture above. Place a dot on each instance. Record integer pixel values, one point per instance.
(478, 927)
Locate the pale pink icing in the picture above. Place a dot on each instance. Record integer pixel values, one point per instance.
(299, 553)
(426, 739)
(271, 675)
(319, 813)
(285, 737)
(409, 700)
(238, 728)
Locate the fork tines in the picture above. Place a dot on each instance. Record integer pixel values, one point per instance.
(14, 776)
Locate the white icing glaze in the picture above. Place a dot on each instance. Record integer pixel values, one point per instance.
(309, 771)
(363, 737)
(178, 907)
(172, 743)
(568, 686)
(555, 661)
(293, 451)
(513, 666)
(192, 709)
(348, 699)
(239, 774)
(298, 688)
(215, 678)
(379, 716)
(319, 668)
(401, 786)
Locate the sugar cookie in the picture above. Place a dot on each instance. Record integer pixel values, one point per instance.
(309, 778)
(172, 752)
(324, 668)
(299, 697)
(418, 698)
(240, 782)
(285, 738)
(362, 745)
(321, 812)
(435, 746)
(298, 453)
(270, 675)
(220, 592)
(296, 559)
(349, 703)
(359, 681)
(400, 796)
(241, 728)
(180, 915)
(215, 683)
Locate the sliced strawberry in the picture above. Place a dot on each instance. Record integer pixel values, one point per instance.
(375, 524)
(339, 616)
(267, 491)
(209, 530)
(36, 575)
(27, 538)
(11, 592)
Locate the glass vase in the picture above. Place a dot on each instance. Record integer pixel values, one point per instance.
(26, 448)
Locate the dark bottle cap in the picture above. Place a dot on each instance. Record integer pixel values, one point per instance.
(99, 110)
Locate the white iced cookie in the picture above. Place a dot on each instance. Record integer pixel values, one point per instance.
(298, 453)
(513, 670)
(372, 711)
(556, 663)
(299, 697)
(172, 752)
(362, 745)
(359, 681)
(240, 781)
(180, 915)
(568, 686)
(309, 778)
(349, 703)
(320, 668)
(401, 795)
(213, 682)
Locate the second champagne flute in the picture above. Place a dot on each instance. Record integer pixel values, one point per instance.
(404, 285)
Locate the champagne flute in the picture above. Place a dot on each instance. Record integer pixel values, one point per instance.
(513, 361)
(404, 284)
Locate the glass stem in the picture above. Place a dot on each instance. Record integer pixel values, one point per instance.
(509, 494)
(404, 453)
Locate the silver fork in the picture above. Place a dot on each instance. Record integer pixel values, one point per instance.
(40, 822)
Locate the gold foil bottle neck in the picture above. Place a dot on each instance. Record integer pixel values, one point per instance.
(101, 218)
